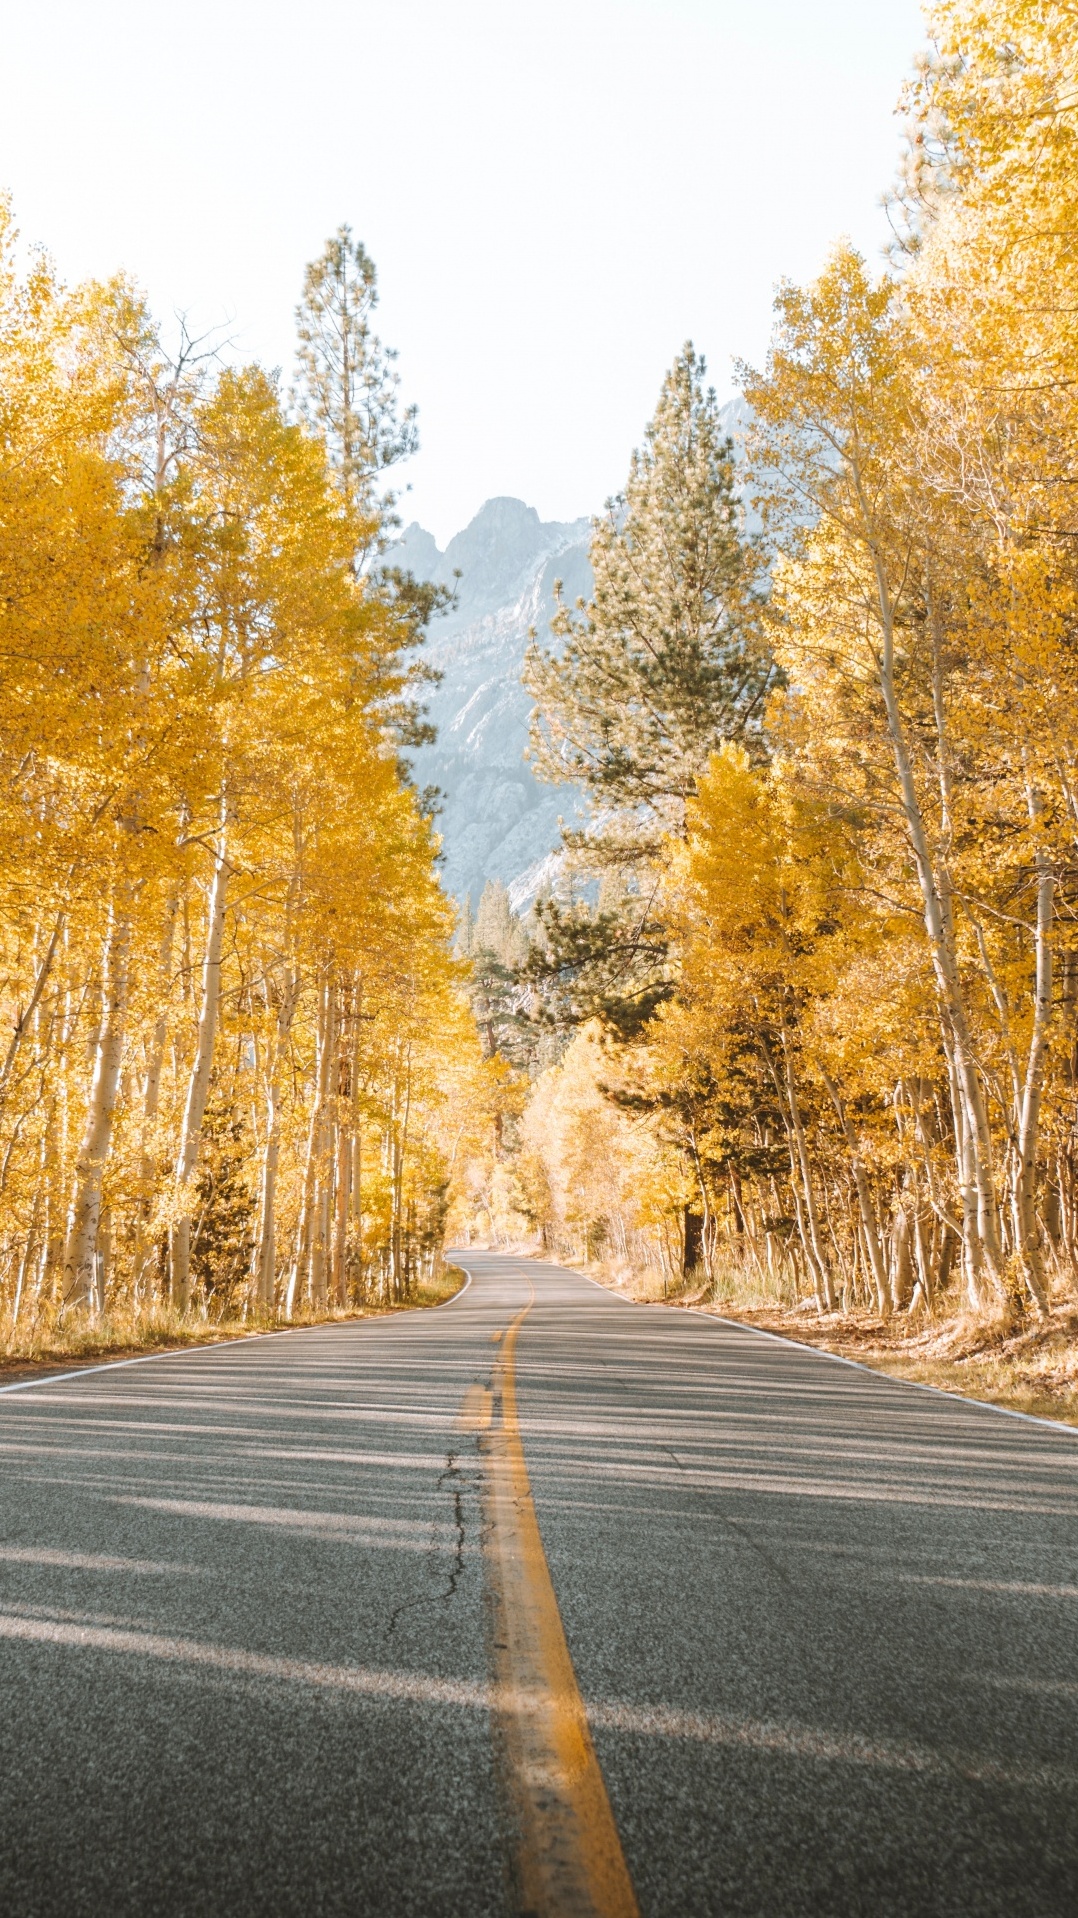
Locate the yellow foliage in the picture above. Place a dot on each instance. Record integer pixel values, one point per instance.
(236, 1029)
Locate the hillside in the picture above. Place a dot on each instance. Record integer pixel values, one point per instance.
(498, 821)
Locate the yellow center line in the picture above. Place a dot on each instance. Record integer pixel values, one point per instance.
(475, 1410)
(569, 1861)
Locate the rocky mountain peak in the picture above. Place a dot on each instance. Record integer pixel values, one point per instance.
(497, 821)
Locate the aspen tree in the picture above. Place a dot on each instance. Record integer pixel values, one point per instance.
(202, 818)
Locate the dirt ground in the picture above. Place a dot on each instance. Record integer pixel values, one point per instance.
(1027, 1367)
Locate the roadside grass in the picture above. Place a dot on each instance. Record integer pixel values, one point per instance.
(1025, 1367)
(999, 1358)
(52, 1341)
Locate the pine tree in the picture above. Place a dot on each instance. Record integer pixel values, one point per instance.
(666, 661)
(462, 945)
(663, 666)
(498, 931)
(499, 950)
(222, 1235)
(348, 393)
(348, 386)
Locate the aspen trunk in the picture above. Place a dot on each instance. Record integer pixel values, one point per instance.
(397, 1227)
(301, 1248)
(355, 1193)
(825, 1298)
(309, 1251)
(266, 1243)
(265, 1255)
(152, 1091)
(401, 1117)
(939, 926)
(327, 1059)
(80, 1250)
(1027, 1231)
(321, 1231)
(869, 1223)
(342, 1183)
(808, 1230)
(26, 1259)
(103, 1260)
(901, 1260)
(24, 1019)
(924, 1258)
(199, 1082)
(967, 1182)
(937, 909)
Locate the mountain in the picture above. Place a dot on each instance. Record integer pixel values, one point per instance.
(498, 821)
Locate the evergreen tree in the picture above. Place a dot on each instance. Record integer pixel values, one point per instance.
(498, 932)
(666, 661)
(608, 961)
(223, 1234)
(663, 666)
(499, 950)
(348, 386)
(348, 392)
(462, 945)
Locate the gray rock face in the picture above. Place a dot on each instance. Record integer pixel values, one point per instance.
(498, 821)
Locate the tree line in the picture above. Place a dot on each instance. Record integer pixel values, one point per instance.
(818, 942)
(234, 1026)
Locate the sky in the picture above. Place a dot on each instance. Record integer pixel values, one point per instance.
(557, 193)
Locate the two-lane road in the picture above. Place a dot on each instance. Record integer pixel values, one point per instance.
(824, 1626)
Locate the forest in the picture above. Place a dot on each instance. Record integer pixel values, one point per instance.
(816, 952)
(798, 1020)
(237, 1050)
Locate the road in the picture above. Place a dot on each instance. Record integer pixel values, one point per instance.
(257, 1603)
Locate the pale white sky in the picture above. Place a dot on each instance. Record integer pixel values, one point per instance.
(556, 192)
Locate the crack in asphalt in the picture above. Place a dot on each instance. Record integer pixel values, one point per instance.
(453, 1475)
(743, 1534)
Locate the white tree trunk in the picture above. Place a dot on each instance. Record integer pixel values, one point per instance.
(80, 1250)
(152, 1089)
(304, 1255)
(1028, 1230)
(937, 912)
(265, 1257)
(325, 1093)
(266, 1250)
(866, 1206)
(22, 1023)
(199, 1082)
(825, 1297)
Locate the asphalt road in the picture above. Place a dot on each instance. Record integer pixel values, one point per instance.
(825, 1625)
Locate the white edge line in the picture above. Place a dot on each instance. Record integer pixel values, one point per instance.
(146, 1358)
(877, 1372)
(456, 1295)
(211, 1345)
(609, 1289)
(821, 1352)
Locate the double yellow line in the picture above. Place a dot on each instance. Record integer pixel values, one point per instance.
(569, 1861)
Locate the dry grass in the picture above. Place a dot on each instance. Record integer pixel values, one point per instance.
(53, 1343)
(1025, 1366)
(1003, 1360)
